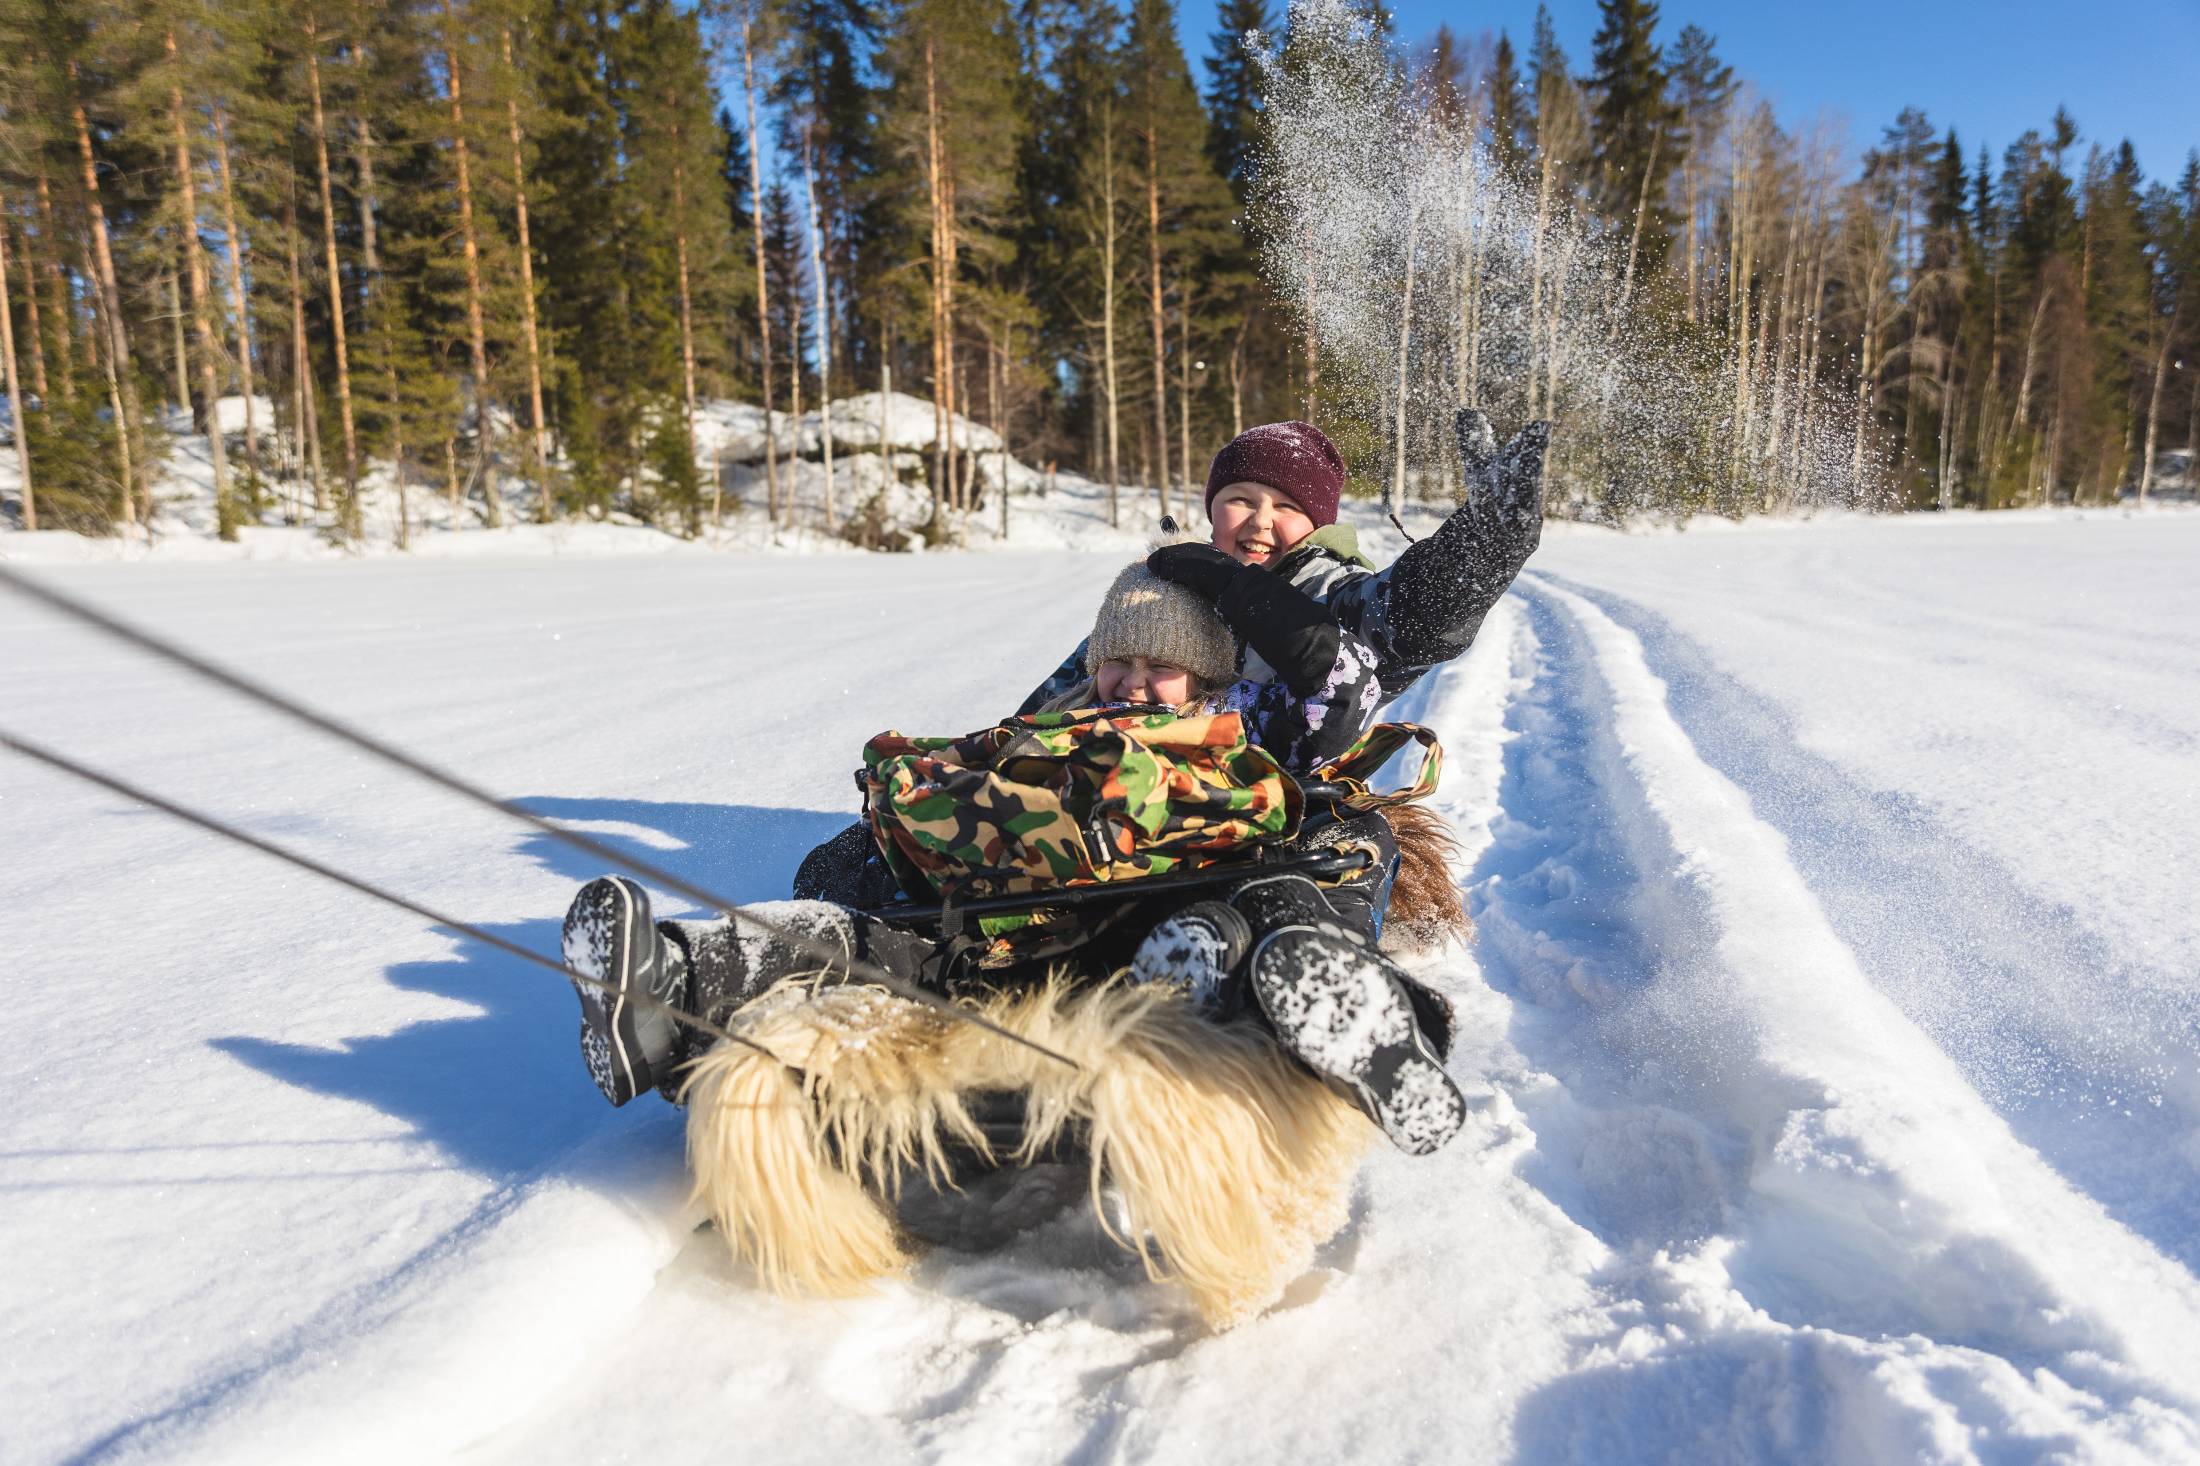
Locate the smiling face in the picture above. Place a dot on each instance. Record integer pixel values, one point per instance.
(1255, 523)
(1134, 679)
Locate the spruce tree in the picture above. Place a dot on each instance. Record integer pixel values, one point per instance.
(1634, 123)
(1186, 206)
(1508, 107)
(1233, 89)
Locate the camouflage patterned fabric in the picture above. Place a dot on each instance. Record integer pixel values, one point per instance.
(1349, 772)
(1067, 799)
(1074, 798)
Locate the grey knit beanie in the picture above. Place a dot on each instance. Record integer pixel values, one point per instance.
(1143, 615)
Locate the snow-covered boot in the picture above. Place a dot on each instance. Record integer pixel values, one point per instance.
(609, 936)
(1196, 949)
(1347, 1012)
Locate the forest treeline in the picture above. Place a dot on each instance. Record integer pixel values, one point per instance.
(506, 246)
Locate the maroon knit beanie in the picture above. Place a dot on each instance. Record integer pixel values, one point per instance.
(1295, 457)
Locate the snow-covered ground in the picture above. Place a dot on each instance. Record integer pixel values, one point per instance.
(1832, 1029)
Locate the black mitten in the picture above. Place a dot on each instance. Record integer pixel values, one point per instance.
(1293, 632)
(1196, 567)
(1503, 514)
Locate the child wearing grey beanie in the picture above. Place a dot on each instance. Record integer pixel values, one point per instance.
(1169, 632)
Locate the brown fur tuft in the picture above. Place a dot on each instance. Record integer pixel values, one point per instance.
(1426, 908)
(1231, 1163)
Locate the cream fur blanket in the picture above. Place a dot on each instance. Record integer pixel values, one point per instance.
(1231, 1164)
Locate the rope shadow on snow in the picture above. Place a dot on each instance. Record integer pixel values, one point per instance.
(502, 1090)
(2090, 1061)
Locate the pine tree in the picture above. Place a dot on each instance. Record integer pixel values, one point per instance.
(1508, 111)
(1635, 126)
(1233, 90)
(1703, 89)
(1186, 204)
(954, 133)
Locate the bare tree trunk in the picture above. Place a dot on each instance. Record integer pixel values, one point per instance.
(824, 325)
(301, 362)
(363, 154)
(942, 368)
(1108, 288)
(1551, 362)
(16, 419)
(1184, 392)
(2146, 456)
(397, 447)
(1313, 356)
(63, 298)
(1868, 363)
(687, 312)
(179, 351)
(2031, 349)
(1160, 342)
(763, 289)
(1237, 376)
(121, 386)
(470, 250)
(1535, 270)
(794, 399)
(453, 489)
(30, 303)
(1405, 357)
(238, 301)
(1634, 238)
(885, 404)
(352, 525)
(1689, 261)
(1474, 313)
(202, 328)
(993, 417)
(538, 431)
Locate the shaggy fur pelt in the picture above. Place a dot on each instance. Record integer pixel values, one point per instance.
(1231, 1163)
(1426, 909)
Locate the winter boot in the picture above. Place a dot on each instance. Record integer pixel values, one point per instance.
(609, 936)
(1347, 1013)
(1196, 949)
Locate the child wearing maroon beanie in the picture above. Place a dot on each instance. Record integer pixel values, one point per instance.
(1272, 496)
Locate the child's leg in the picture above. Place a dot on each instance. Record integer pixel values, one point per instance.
(730, 962)
(705, 968)
(1348, 1012)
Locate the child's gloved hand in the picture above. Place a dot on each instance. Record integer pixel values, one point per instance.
(1504, 508)
(1196, 567)
(1293, 632)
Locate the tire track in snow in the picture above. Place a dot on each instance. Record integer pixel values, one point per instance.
(2090, 1060)
(1812, 1213)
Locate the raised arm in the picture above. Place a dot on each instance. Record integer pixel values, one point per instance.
(1427, 606)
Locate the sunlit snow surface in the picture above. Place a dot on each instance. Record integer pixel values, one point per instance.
(1830, 1035)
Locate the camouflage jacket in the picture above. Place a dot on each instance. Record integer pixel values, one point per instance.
(1418, 614)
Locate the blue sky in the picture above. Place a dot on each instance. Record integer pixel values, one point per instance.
(2124, 68)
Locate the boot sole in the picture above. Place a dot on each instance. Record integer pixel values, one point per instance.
(598, 941)
(1348, 1019)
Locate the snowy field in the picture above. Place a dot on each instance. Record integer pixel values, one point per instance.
(1833, 1029)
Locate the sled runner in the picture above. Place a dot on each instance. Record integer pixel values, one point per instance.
(1204, 1147)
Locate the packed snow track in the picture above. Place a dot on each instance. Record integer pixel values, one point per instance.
(1832, 1030)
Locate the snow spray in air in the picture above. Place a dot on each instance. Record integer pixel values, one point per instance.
(1433, 276)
